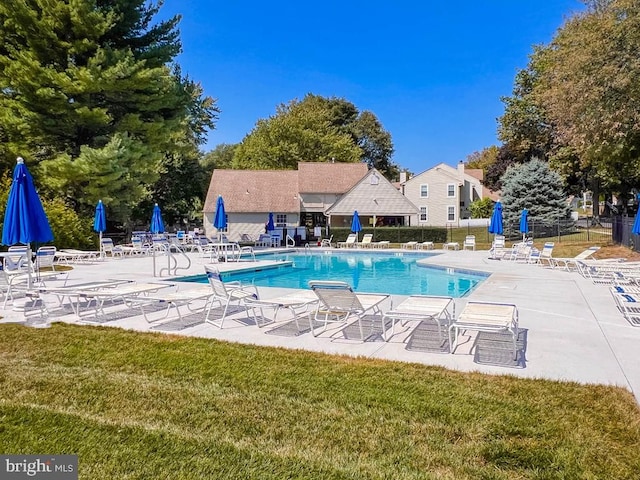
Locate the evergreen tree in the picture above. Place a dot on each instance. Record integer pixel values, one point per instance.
(532, 185)
(87, 93)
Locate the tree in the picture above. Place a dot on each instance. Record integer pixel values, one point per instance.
(589, 91)
(87, 84)
(481, 208)
(532, 185)
(316, 129)
(483, 159)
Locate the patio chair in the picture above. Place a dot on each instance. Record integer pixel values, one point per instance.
(326, 242)
(71, 255)
(486, 317)
(409, 245)
(425, 246)
(139, 247)
(263, 241)
(95, 299)
(469, 242)
(246, 238)
(15, 262)
(338, 303)
(498, 248)
(109, 249)
(628, 304)
(226, 295)
(540, 257)
(366, 240)
(174, 300)
(45, 258)
(349, 242)
(381, 244)
(571, 263)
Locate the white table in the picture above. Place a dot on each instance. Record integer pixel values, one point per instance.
(421, 308)
(297, 302)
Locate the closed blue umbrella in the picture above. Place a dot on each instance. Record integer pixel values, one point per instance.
(157, 225)
(220, 218)
(270, 225)
(355, 224)
(636, 224)
(524, 223)
(100, 222)
(495, 226)
(24, 220)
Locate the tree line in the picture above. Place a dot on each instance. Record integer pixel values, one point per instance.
(92, 97)
(576, 107)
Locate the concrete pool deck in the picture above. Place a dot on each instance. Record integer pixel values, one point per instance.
(571, 329)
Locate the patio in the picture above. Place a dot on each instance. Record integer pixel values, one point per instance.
(570, 328)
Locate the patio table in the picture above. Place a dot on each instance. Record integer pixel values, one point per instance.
(421, 308)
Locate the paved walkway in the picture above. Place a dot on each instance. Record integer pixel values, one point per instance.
(571, 329)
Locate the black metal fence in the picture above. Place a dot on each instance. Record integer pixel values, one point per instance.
(585, 229)
(622, 226)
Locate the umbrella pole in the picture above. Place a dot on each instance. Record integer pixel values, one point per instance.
(29, 279)
(100, 245)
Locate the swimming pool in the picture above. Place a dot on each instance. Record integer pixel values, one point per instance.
(395, 273)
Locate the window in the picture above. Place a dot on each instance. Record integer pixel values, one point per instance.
(424, 190)
(424, 214)
(451, 190)
(281, 220)
(451, 214)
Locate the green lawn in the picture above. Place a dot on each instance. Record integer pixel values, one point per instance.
(154, 406)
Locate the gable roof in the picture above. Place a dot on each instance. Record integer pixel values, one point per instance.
(322, 177)
(247, 191)
(373, 198)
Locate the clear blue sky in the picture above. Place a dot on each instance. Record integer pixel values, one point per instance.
(432, 72)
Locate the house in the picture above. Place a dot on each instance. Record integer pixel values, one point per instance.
(377, 201)
(443, 194)
(297, 198)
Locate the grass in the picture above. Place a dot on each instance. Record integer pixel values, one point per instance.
(140, 406)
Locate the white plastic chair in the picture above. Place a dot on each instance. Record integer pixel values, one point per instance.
(339, 303)
(226, 295)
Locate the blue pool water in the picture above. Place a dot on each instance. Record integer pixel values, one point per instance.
(395, 273)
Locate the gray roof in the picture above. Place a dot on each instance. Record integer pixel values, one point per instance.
(378, 197)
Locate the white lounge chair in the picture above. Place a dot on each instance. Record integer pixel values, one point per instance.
(71, 255)
(571, 263)
(498, 248)
(93, 300)
(226, 295)
(628, 303)
(349, 242)
(326, 242)
(366, 240)
(543, 256)
(409, 245)
(175, 300)
(486, 317)
(264, 241)
(45, 258)
(109, 249)
(339, 303)
(469, 243)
